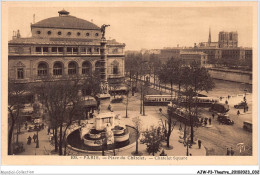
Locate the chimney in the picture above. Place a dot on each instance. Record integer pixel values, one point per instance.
(33, 18)
(18, 34)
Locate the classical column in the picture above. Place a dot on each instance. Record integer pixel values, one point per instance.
(103, 69)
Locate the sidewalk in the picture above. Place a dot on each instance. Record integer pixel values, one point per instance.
(45, 147)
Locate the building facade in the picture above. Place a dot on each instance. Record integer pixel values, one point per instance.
(188, 58)
(63, 47)
(225, 49)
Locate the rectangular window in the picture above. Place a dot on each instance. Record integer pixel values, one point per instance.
(96, 50)
(38, 50)
(83, 50)
(54, 50)
(74, 50)
(69, 50)
(45, 50)
(89, 50)
(60, 50)
(20, 74)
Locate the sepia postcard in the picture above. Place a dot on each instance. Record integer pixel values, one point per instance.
(129, 83)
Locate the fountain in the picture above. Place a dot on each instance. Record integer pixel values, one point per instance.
(105, 129)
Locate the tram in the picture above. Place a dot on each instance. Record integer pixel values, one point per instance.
(164, 100)
(157, 100)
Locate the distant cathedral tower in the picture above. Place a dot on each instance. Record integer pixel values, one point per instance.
(209, 40)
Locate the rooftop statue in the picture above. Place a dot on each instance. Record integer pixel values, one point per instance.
(103, 30)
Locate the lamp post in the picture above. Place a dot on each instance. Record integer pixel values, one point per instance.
(37, 141)
(142, 90)
(245, 90)
(126, 115)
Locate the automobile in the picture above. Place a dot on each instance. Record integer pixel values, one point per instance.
(31, 128)
(224, 118)
(241, 105)
(247, 126)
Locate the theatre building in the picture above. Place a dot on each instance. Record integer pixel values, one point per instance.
(62, 47)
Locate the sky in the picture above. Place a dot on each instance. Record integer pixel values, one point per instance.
(149, 27)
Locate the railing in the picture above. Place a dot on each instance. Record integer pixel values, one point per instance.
(115, 76)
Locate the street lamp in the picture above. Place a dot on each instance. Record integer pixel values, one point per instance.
(37, 141)
(142, 93)
(126, 102)
(245, 90)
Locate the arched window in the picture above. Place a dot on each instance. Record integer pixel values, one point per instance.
(57, 68)
(20, 70)
(97, 66)
(72, 68)
(42, 69)
(115, 67)
(86, 68)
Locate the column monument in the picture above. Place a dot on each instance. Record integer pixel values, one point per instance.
(103, 61)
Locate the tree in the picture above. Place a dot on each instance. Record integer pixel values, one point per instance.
(91, 84)
(153, 139)
(138, 127)
(132, 65)
(195, 80)
(170, 73)
(16, 100)
(60, 99)
(168, 131)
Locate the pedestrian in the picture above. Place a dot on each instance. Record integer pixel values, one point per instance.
(226, 102)
(238, 112)
(199, 143)
(160, 110)
(232, 152)
(245, 98)
(228, 152)
(205, 121)
(42, 125)
(228, 96)
(98, 110)
(34, 137)
(29, 140)
(209, 121)
(213, 115)
(35, 127)
(25, 125)
(111, 108)
(49, 130)
(180, 128)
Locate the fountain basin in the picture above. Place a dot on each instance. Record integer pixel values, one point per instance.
(122, 137)
(75, 142)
